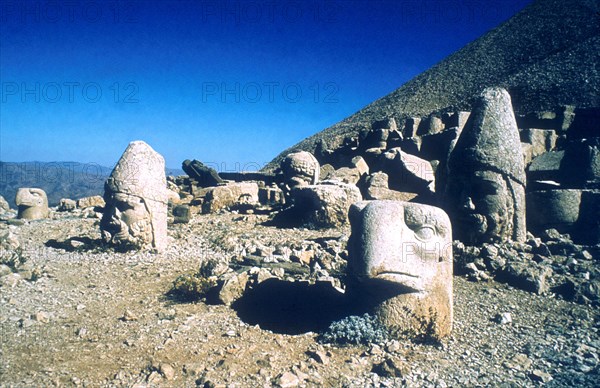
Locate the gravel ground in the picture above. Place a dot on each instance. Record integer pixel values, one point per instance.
(104, 318)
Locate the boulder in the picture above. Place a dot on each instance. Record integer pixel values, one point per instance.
(182, 214)
(400, 266)
(136, 200)
(66, 205)
(432, 124)
(32, 204)
(229, 195)
(326, 204)
(485, 191)
(4, 206)
(94, 201)
(556, 209)
(202, 174)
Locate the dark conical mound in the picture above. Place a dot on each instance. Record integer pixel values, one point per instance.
(545, 56)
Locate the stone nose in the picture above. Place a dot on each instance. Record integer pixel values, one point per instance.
(468, 204)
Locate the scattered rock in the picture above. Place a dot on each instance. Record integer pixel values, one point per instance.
(94, 201)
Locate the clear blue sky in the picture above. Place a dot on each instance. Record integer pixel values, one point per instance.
(231, 83)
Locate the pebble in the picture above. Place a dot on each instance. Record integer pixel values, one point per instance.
(287, 380)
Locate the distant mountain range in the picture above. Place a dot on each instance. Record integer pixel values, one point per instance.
(546, 56)
(58, 179)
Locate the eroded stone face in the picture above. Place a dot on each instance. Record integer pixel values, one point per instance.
(136, 200)
(485, 207)
(300, 169)
(485, 193)
(400, 263)
(32, 204)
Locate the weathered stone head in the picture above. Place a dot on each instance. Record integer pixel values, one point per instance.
(32, 204)
(136, 200)
(400, 265)
(485, 194)
(300, 169)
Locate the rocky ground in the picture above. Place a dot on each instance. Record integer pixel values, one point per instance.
(88, 316)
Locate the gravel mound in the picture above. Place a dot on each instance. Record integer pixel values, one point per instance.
(546, 56)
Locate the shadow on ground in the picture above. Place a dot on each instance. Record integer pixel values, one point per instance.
(291, 307)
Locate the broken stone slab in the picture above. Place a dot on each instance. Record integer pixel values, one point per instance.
(527, 276)
(205, 176)
(376, 188)
(545, 167)
(400, 266)
(326, 204)
(346, 175)
(541, 140)
(408, 173)
(32, 204)
(228, 195)
(485, 191)
(136, 200)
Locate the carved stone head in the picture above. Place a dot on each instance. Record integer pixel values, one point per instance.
(400, 262)
(136, 199)
(485, 193)
(32, 204)
(300, 169)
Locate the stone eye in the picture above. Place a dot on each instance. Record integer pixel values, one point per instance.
(425, 233)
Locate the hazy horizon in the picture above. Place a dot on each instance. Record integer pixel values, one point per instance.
(230, 83)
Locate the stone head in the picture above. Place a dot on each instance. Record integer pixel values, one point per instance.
(485, 195)
(32, 203)
(400, 246)
(136, 199)
(300, 169)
